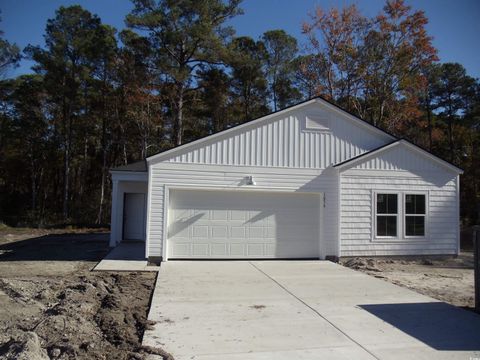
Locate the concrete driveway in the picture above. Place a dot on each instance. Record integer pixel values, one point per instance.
(232, 310)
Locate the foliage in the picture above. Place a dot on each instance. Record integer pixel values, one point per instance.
(371, 65)
(9, 55)
(184, 35)
(101, 98)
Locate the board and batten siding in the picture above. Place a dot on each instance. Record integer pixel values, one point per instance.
(210, 177)
(287, 140)
(398, 171)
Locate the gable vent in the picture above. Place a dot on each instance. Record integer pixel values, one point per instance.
(318, 121)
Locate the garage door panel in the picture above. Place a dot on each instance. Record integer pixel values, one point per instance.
(201, 249)
(238, 232)
(219, 232)
(180, 249)
(237, 250)
(221, 224)
(200, 231)
(238, 215)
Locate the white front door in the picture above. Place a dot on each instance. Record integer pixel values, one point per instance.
(241, 224)
(134, 217)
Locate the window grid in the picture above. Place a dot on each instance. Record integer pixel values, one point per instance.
(386, 215)
(415, 215)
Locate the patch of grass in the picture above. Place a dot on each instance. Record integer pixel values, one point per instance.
(4, 228)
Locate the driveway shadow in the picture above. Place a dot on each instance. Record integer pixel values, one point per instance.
(437, 324)
(57, 247)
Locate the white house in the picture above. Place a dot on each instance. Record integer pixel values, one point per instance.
(309, 181)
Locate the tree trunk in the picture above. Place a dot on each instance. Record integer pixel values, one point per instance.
(66, 159)
(66, 176)
(34, 186)
(450, 138)
(102, 188)
(430, 130)
(104, 150)
(274, 93)
(179, 120)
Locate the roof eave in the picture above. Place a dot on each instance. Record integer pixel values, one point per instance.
(365, 156)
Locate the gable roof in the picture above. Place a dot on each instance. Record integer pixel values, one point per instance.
(139, 166)
(375, 152)
(261, 119)
(363, 156)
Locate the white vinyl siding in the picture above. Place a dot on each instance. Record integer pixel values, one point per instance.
(399, 158)
(285, 141)
(190, 176)
(357, 223)
(284, 152)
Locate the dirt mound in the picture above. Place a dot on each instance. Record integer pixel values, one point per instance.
(88, 316)
(362, 264)
(53, 306)
(23, 346)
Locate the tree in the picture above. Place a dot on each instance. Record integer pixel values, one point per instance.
(280, 50)
(214, 100)
(307, 75)
(335, 40)
(30, 130)
(452, 92)
(249, 84)
(9, 55)
(140, 120)
(372, 66)
(101, 78)
(72, 50)
(184, 35)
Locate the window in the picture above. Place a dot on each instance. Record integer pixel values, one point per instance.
(387, 212)
(414, 215)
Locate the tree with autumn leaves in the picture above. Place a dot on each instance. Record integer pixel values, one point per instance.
(100, 98)
(371, 66)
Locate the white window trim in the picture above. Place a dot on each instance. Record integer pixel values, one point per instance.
(401, 223)
(426, 232)
(398, 214)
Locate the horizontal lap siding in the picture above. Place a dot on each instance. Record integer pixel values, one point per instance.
(226, 178)
(356, 226)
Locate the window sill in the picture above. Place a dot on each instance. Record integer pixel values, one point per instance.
(398, 240)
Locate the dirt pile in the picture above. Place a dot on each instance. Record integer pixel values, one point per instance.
(364, 264)
(23, 346)
(53, 306)
(87, 316)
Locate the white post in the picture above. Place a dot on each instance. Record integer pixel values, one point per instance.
(114, 218)
(476, 260)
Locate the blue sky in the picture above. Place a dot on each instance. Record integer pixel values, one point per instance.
(454, 24)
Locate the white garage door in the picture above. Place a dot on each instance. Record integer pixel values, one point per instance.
(223, 224)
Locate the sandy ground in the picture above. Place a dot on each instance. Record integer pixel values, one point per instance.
(447, 279)
(53, 307)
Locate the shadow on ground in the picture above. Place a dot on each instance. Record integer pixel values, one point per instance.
(437, 324)
(57, 247)
(132, 250)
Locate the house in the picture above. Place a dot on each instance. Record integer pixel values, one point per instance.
(309, 181)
